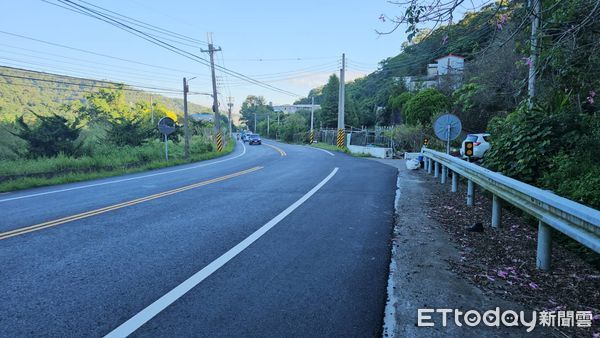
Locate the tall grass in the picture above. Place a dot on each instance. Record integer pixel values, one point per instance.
(105, 161)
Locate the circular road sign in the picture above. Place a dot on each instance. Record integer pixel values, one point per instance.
(166, 125)
(447, 127)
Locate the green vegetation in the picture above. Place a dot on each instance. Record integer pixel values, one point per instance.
(330, 147)
(106, 161)
(20, 95)
(287, 127)
(423, 106)
(99, 134)
(553, 143)
(50, 136)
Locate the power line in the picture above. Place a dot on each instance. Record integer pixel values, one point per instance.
(184, 53)
(94, 62)
(82, 71)
(94, 53)
(112, 84)
(171, 36)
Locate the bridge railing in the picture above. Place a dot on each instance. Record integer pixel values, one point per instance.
(575, 220)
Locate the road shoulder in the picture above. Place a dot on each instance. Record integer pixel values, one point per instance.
(420, 274)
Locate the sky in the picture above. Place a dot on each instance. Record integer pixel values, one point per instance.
(292, 45)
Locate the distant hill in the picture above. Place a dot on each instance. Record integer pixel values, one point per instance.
(22, 90)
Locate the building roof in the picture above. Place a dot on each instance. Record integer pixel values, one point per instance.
(449, 55)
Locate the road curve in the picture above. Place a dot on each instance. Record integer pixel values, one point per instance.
(282, 239)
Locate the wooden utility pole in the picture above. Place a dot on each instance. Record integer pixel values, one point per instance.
(186, 147)
(152, 108)
(211, 51)
(229, 105)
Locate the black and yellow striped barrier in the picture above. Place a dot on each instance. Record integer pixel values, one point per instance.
(311, 137)
(219, 142)
(340, 138)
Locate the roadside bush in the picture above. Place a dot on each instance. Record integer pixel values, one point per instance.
(524, 142)
(124, 131)
(49, 136)
(407, 138)
(573, 178)
(550, 146)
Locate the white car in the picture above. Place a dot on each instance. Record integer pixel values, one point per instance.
(480, 145)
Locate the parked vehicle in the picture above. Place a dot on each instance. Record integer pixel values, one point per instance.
(245, 137)
(254, 139)
(480, 145)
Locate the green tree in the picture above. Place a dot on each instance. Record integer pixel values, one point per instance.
(424, 105)
(292, 125)
(49, 136)
(124, 131)
(255, 105)
(329, 105)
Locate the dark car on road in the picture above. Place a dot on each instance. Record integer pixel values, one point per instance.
(254, 139)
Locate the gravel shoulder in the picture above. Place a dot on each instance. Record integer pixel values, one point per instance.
(436, 264)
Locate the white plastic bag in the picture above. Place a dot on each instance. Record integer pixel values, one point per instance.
(412, 164)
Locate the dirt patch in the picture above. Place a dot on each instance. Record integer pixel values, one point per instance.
(502, 261)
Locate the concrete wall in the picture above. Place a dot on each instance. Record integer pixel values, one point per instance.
(372, 151)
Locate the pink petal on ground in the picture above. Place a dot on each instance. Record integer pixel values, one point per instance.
(502, 273)
(533, 286)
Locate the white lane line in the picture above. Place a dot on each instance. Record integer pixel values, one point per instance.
(327, 151)
(163, 302)
(124, 179)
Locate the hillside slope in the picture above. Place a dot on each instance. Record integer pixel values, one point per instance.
(22, 90)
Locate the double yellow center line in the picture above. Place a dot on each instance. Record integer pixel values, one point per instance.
(281, 152)
(40, 226)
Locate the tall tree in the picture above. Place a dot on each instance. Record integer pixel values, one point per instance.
(254, 105)
(329, 104)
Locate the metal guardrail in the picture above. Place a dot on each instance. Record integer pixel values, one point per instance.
(575, 220)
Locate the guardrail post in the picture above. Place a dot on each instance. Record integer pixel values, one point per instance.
(443, 179)
(496, 212)
(425, 163)
(429, 166)
(454, 181)
(436, 171)
(469, 193)
(544, 246)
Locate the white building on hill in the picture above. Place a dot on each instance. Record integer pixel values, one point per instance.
(447, 70)
(292, 108)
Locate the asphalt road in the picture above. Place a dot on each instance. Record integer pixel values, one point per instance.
(268, 241)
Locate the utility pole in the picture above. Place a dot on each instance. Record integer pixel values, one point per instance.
(152, 108)
(278, 127)
(268, 123)
(186, 147)
(535, 23)
(211, 51)
(311, 137)
(230, 104)
(255, 123)
(341, 125)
